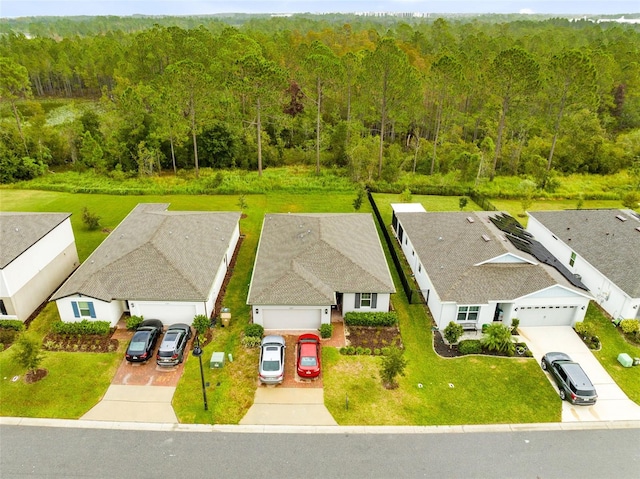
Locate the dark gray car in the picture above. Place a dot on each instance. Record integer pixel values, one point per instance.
(572, 381)
(174, 344)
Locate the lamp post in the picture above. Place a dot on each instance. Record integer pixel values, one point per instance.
(197, 352)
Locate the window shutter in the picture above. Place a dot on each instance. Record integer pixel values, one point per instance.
(357, 305)
(374, 300)
(76, 311)
(92, 311)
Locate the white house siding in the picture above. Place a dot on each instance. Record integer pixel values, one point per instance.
(104, 311)
(221, 273)
(31, 277)
(291, 317)
(609, 296)
(349, 302)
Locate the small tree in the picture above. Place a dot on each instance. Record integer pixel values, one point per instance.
(462, 202)
(357, 202)
(28, 352)
(406, 196)
(90, 220)
(497, 337)
(452, 333)
(393, 364)
(201, 324)
(631, 200)
(242, 203)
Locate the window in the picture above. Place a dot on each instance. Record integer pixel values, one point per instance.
(468, 313)
(419, 268)
(366, 300)
(83, 309)
(572, 261)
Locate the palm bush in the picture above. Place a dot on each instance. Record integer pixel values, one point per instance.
(497, 337)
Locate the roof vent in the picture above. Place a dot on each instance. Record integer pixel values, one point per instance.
(470, 219)
(486, 238)
(622, 218)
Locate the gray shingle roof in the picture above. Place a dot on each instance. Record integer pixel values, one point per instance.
(20, 231)
(608, 244)
(451, 248)
(303, 259)
(155, 254)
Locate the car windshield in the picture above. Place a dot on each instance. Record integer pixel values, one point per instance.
(308, 361)
(271, 365)
(136, 346)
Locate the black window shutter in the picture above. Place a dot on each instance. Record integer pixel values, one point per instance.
(374, 300)
(357, 305)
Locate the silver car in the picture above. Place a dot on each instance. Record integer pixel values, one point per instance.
(271, 370)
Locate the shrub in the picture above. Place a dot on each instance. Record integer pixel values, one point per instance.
(498, 338)
(377, 352)
(515, 322)
(83, 327)
(585, 330)
(251, 341)
(452, 332)
(343, 350)
(393, 365)
(351, 350)
(201, 323)
(326, 330)
(470, 346)
(90, 220)
(359, 350)
(630, 326)
(253, 330)
(528, 353)
(386, 351)
(133, 322)
(12, 324)
(8, 336)
(353, 318)
(367, 351)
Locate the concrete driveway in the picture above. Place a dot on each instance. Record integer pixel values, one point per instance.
(612, 405)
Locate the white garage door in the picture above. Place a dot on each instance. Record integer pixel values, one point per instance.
(291, 318)
(546, 315)
(168, 313)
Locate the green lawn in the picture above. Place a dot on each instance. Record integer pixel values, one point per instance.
(485, 390)
(614, 343)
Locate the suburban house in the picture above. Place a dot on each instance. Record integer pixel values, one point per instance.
(38, 253)
(602, 247)
(310, 264)
(470, 271)
(159, 264)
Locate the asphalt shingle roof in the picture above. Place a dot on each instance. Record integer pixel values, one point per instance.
(155, 254)
(452, 249)
(608, 244)
(303, 259)
(20, 231)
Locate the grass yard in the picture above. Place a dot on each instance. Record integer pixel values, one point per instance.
(74, 384)
(614, 343)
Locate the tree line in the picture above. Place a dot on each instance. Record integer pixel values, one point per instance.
(476, 98)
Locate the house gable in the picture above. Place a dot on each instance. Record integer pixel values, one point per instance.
(556, 291)
(507, 258)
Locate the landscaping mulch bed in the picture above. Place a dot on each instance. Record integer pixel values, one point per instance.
(374, 338)
(442, 349)
(85, 343)
(35, 375)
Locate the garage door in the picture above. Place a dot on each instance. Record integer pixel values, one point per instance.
(168, 313)
(291, 318)
(546, 315)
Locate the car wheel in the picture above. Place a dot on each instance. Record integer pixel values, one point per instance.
(181, 358)
(563, 395)
(543, 364)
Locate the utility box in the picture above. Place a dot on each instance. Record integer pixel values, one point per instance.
(625, 360)
(217, 360)
(225, 317)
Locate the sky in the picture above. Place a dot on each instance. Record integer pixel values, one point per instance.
(23, 8)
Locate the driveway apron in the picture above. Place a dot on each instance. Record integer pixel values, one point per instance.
(612, 405)
(274, 405)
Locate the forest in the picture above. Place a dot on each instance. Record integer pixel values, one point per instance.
(371, 99)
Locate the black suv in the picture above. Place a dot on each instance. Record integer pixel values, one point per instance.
(573, 383)
(174, 343)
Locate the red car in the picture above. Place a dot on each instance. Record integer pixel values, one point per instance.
(308, 364)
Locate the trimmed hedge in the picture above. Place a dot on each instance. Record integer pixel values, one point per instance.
(13, 324)
(470, 346)
(253, 330)
(103, 328)
(353, 318)
(326, 330)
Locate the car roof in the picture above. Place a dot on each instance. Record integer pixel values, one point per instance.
(308, 349)
(179, 327)
(273, 338)
(577, 374)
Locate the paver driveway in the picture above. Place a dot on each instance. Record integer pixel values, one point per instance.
(612, 405)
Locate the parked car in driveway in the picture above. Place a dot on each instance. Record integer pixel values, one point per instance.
(572, 381)
(308, 356)
(271, 369)
(144, 341)
(173, 345)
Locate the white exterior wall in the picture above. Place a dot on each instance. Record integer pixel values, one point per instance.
(612, 299)
(257, 311)
(105, 311)
(349, 301)
(30, 279)
(169, 312)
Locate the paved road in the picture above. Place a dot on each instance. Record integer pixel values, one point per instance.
(52, 452)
